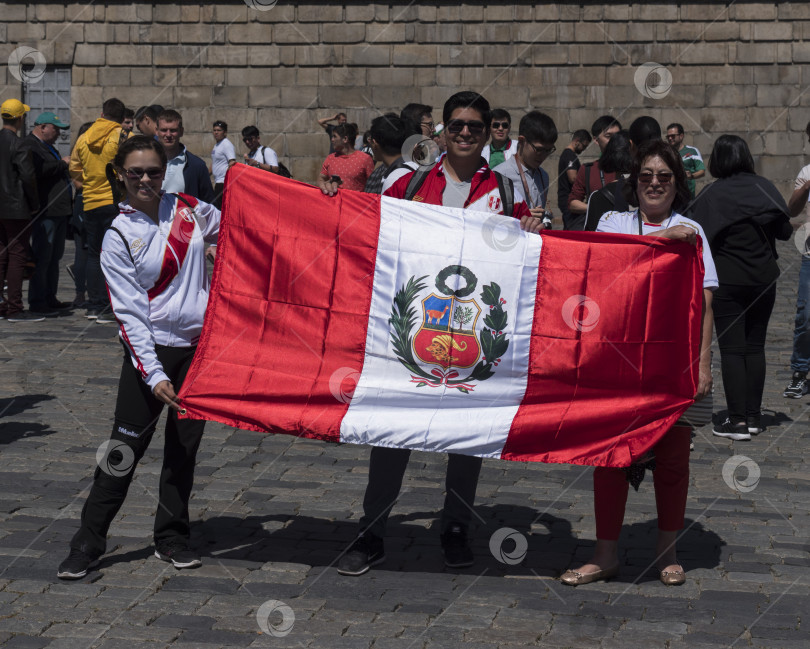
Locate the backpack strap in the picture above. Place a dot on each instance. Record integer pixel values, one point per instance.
(507, 189)
(588, 166)
(416, 181)
(126, 245)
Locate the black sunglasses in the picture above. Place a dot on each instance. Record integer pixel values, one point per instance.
(455, 126)
(136, 173)
(500, 125)
(664, 177)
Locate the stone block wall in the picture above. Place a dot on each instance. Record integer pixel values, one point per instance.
(742, 68)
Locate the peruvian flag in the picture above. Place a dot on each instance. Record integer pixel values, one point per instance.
(371, 320)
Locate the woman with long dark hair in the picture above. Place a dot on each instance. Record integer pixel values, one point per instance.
(742, 215)
(153, 258)
(658, 180)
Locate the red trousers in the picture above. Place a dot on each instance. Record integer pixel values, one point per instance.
(671, 481)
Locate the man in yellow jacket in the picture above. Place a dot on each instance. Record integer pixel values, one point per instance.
(93, 151)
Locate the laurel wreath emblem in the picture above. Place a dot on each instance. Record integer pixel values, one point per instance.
(492, 338)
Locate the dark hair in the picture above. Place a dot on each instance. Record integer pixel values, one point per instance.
(468, 99)
(676, 125)
(147, 111)
(341, 115)
(222, 125)
(661, 149)
(129, 113)
(82, 129)
(113, 109)
(139, 143)
(730, 155)
(415, 113)
(250, 131)
(538, 126)
(500, 113)
(602, 124)
(807, 129)
(170, 115)
(347, 130)
(617, 157)
(643, 129)
(582, 135)
(389, 131)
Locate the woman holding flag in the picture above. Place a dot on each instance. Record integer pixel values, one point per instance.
(658, 180)
(153, 259)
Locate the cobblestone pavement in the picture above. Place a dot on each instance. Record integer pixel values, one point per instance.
(272, 514)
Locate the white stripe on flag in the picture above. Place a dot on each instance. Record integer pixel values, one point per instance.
(388, 408)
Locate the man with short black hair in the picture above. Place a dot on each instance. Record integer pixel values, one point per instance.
(223, 157)
(387, 135)
(501, 147)
(94, 150)
(420, 117)
(261, 157)
(146, 119)
(692, 160)
(642, 130)
(49, 226)
(129, 120)
(567, 168)
(185, 172)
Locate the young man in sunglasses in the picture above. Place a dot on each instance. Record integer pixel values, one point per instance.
(501, 147)
(537, 134)
(461, 178)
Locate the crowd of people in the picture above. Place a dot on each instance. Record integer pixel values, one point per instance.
(133, 203)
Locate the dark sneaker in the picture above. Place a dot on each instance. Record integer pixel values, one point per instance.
(754, 423)
(25, 316)
(60, 306)
(106, 318)
(44, 311)
(76, 565)
(457, 553)
(737, 432)
(178, 553)
(797, 387)
(92, 313)
(366, 551)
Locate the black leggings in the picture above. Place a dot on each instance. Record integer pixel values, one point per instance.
(741, 315)
(136, 414)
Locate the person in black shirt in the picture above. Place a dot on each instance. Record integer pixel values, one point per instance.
(567, 171)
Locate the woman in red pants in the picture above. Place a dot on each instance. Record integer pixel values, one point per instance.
(659, 181)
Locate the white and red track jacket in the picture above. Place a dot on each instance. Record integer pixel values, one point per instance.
(157, 279)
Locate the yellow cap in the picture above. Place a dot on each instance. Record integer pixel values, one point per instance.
(13, 108)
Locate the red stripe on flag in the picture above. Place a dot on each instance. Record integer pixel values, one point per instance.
(285, 330)
(598, 298)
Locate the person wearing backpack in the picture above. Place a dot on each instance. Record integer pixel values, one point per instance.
(617, 159)
(461, 178)
(258, 156)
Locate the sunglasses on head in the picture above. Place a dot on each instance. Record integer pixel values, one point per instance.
(500, 124)
(455, 126)
(136, 173)
(664, 177)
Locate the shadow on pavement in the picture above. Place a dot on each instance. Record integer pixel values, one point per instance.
(14, 430)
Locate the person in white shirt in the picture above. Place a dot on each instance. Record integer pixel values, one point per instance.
(261, 157)
(223, 157)
(153, 261)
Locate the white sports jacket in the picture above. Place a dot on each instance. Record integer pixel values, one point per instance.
(157, 279)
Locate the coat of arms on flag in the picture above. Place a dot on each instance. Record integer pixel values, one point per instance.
(449, 335)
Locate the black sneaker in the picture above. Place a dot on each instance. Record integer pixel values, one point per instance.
(754, 423)
(457, 553)
(106, 318)
(92, 313)
(366, 551)
(179, 554)
(76, 565)
(797, 387)
(25, 316)
(737, 432)
(58, 305)
(44, 311)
